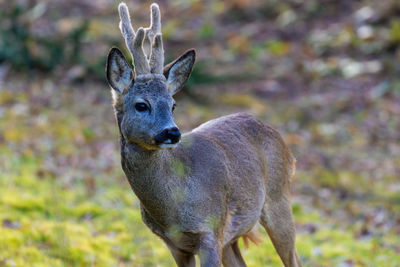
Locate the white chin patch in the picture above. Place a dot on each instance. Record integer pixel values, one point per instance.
(167, 145)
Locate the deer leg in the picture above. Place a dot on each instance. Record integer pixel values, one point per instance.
(236, 250)
(209, 251)
(183, 259)
(231, 256)
(277, 220)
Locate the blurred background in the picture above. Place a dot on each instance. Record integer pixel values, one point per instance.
(325, 73)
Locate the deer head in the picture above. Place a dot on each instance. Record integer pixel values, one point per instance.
(143, 99)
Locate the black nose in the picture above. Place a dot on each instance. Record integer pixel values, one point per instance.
(168, 136)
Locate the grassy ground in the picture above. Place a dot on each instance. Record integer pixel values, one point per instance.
(64, 200)
(310, 70)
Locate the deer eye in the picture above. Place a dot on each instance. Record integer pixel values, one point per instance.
(141, 107)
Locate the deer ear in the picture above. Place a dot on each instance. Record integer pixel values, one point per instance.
(178, 71)
(119, 73)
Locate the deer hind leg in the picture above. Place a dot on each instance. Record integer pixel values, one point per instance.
(231, 256)
(277, 220)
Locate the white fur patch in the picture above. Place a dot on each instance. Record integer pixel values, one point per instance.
(168, 145)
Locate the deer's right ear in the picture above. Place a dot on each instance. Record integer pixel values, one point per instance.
(119, 73)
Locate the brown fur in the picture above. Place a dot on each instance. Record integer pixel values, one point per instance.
(253, 236)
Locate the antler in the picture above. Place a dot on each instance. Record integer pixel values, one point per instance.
(145, 46)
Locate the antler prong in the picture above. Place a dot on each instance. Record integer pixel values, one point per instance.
(157, 55)
(125, 26)
(139, 58)
(155, 19)
(153, 29)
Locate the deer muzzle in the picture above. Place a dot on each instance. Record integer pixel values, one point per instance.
(169, 136)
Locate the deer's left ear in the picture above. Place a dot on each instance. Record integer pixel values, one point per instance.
(178, 71)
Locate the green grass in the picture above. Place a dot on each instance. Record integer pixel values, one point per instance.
(65, 202)
(46, 223)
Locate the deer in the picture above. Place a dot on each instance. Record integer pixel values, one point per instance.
(201, 191)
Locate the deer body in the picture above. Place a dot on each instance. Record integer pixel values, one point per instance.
(211, 176)
(200, 195)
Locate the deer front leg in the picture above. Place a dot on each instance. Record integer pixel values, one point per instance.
(182, 258)
(209, 251)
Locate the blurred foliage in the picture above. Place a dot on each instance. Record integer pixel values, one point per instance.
(314, 39)
(24, 50)
(325, 73)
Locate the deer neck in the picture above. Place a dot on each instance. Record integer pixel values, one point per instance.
(147, 173)
(149, 178)
(144, 163)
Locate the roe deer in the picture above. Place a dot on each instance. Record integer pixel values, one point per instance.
(203, 191)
